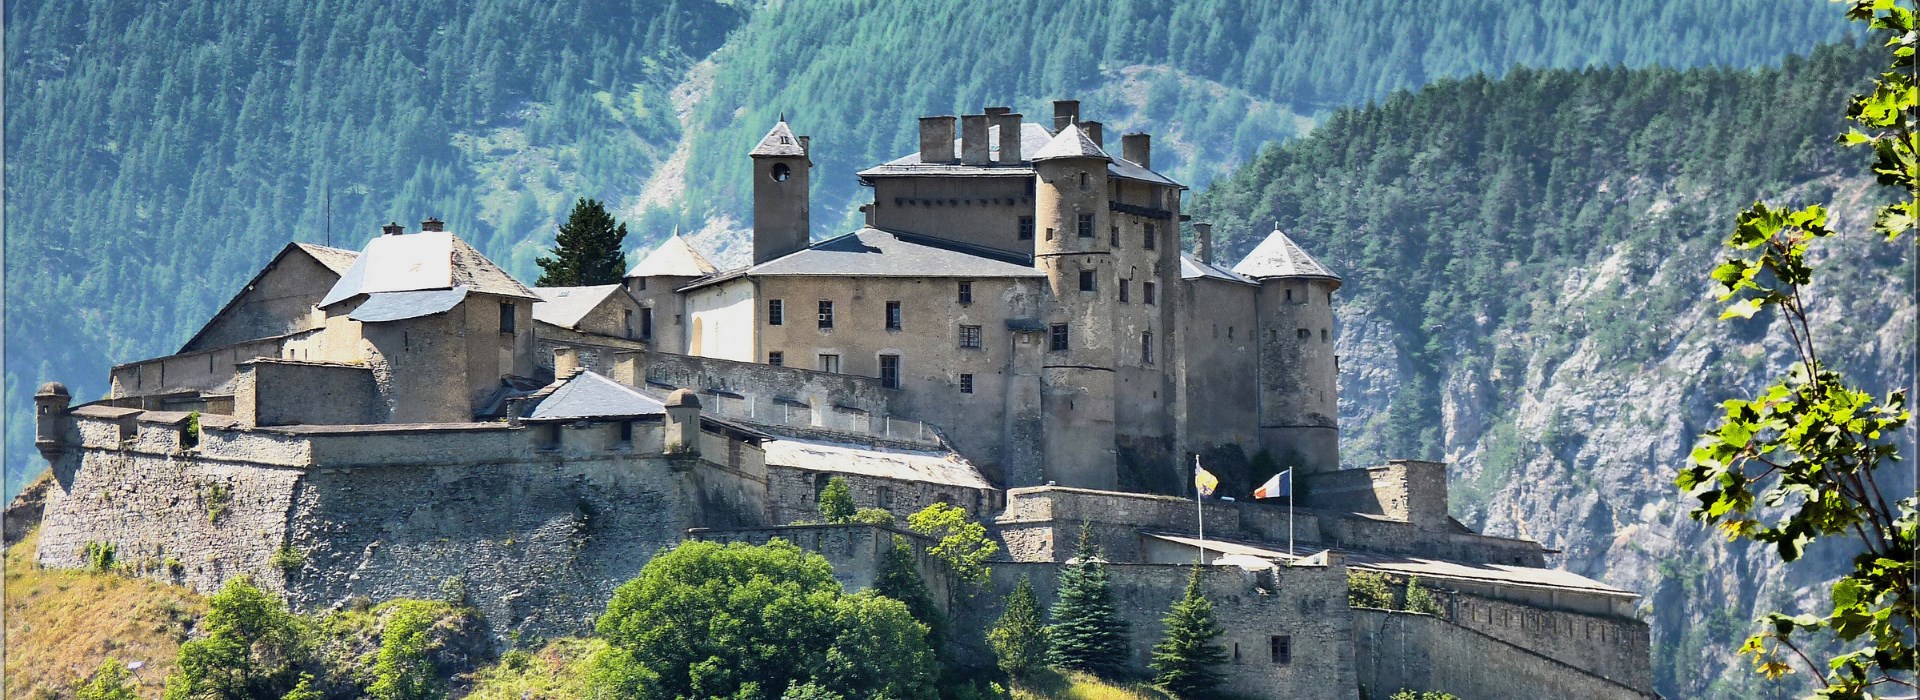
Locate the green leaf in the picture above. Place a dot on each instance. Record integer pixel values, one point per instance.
(1745, 308)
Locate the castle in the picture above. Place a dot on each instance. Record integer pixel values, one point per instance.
(1015, 331)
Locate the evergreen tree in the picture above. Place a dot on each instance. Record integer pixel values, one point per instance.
(587, 251)
(836, 502)
(1184, 660)
(901, 581)
(1087, 633)
(1019, 639)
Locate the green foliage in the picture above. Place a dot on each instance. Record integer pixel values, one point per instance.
(252, 648)
(303, 690)
(191, 435)
(1185, 659)
(706, 620)
(1798, 463)
(963, 544)
(1404, 694)
(588, 249)
(900, 580)
(1370, 589)
(217, 498)
(1420, 599)
(453, 590)
(112, 681)
(97, 556)
(874, 516)
(1087, 633)
(288, 560)
(836, 502)
(403, 669)
(1019, 638)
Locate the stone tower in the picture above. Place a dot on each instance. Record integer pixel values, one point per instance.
(50, 421)
(1297, 370)
(1077, 372)
(780, 178)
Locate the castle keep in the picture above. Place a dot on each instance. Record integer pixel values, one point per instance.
(1015, 330)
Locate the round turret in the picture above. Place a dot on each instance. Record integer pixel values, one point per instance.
(53, 389)
(683, 398)
(1298, 370)
(1072, 246)
(50, 419)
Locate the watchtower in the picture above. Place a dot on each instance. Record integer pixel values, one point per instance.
(1297, 371)
(780, 181)
(1077, 375)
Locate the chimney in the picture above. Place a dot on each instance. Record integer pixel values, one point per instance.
(1009, 124)
(566, 363)
(1065, 112)
(998, 111)
(630, 368)
(1203, 241)
(514, 407)
(936, 139)
(806, 146)
(973, 139)
(1137, 148)
(393, 228)
(1093, 132)
(866, 213)
(433, 224)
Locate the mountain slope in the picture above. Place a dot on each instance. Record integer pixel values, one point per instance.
(1526, 297)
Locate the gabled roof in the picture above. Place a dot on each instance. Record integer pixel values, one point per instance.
(1279, 256)
(400, 306)
(779, 142)
(421, 261)
(674, 257)
(1071, 142)
(334, 259)
(592, 395)
(1033, 138)
(1191, 268)
(905, 465)
(565, 306)
(872, 252)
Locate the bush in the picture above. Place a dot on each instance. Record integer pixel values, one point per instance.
(97, 556)
(1420, 599)
(1368, 589)
(873, 516)
(403, 670)
(253, 648)
(112, 681)
(288, 560)
(836, 502)
(1404, 694)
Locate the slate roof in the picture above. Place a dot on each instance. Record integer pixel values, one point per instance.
(1071, 142)
(1191, 268)
(592, 395)
(421, 261)
(1505, 574)
(1279, 256)
(565, 306)
(1033, 138)
(872, 252)
(674, 257)
(905, 465)
(399, 306)
(335, 259)
(779, 141)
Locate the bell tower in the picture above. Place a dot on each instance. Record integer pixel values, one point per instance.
(780, 182)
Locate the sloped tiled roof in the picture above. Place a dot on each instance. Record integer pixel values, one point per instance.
(872, 252)
(592, 395)
(1279, 256)
(335, 259)
(934, 467)
(779, 141)
(400, 306)
(674, 257)
(1191, 268)
(421, 261)
(1033, 138)
(565, 306)
(1071, 142)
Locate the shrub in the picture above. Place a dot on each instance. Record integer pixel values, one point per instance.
(873, 516)
(403, 670)
(288, 560)
(1404, 694)
(97, 556)
(453, 590)
(112, 681)
(1368, 589)
(1420, 599)
(836, 502)
(253, 648)
(218, 498)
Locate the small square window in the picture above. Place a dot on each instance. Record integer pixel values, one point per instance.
(890, 371)
(1282, 647)
(826, 315)
(1057, 338)
(776, 358)
(1086, 225)
(776, 312)
(830, 363)
(966, 383)
(966, 292)
(639, 284)
(893, 316)
(970, 337)
(1303, 333)
(1026, 228)
(1146, 293)
(1088, 281)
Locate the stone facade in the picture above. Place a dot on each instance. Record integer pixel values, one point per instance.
(1408, 650)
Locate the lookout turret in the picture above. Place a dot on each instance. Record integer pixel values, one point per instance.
(1298, 372)
(780, 208)
(1077, 372)
(50, 419)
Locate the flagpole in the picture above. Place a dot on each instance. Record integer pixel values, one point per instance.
(1200, 509)
(1290, 495)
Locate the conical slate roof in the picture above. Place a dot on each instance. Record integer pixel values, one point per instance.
(779, 141)
(1071, 142)
(674, 258)
(1279, 256)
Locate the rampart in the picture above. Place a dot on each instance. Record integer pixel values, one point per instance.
(1422, 652)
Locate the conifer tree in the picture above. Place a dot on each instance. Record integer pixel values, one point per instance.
(1019, 639)
(1184, 660)
(1087, 633)
(836, 502)
(899, 580)
(587, 251)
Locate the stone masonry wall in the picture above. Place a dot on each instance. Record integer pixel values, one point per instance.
(1421, 652)
(793, 495)
(1610, 647)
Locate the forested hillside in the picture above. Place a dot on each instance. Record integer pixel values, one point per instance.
(1527, 298)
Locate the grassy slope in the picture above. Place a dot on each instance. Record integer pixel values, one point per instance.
(62, 624)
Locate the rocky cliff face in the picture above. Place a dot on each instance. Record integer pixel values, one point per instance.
(1570, 432)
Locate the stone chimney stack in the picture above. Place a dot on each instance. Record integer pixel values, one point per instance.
(973, 139)
(806, 146)
(1137, 148)
(1093, 130)
(1203, 241)
(432, 224)
(50, 419)
(936, 139)
(1009, 124)
(393, 228)
(566, 363)
(1065, 112)
(630, 367)
(683, 423)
